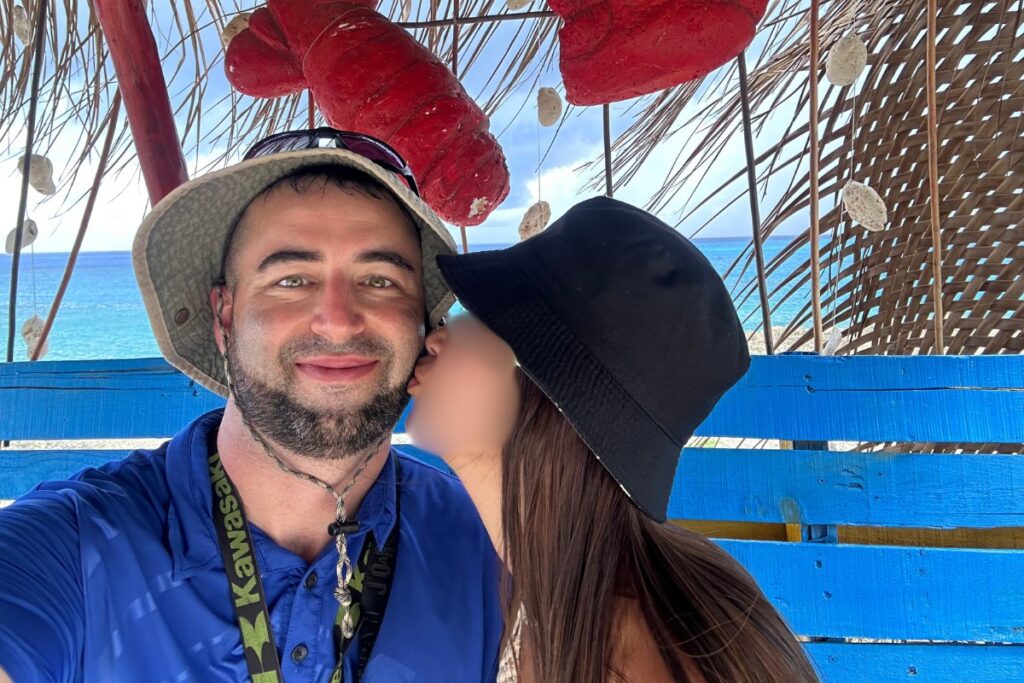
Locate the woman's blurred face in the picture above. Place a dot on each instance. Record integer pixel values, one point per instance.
(466, 396)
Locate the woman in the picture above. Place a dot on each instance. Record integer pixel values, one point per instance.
(590, 354)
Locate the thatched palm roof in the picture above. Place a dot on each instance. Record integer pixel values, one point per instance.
(880, 285)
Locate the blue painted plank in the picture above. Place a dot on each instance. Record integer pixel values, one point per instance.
(136, 398)
(917, 663)
(20, 470)
(871, 489)
(876, 398)
(888, 592)
(871, 372)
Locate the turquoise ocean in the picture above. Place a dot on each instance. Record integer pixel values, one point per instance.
(103, 317)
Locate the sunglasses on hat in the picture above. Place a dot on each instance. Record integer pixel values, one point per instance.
(368, 147)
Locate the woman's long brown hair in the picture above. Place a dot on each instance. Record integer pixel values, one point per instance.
(575, 543)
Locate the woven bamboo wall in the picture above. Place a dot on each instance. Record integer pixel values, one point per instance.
(886, 305)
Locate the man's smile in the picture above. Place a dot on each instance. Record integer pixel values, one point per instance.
(337, 369)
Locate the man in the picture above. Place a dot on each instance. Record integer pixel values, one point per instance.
(299, 283)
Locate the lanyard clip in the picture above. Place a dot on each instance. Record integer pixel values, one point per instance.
(337, 528)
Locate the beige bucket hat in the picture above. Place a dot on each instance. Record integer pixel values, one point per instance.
(178, 250)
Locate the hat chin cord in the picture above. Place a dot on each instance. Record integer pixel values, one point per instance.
(341, 525)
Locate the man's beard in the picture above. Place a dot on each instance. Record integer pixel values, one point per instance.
(319, 433)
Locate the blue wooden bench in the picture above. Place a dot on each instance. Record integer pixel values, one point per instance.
(892, 566)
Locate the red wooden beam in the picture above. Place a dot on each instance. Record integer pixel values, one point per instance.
(137, 64)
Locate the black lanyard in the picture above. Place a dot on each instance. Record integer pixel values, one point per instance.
(370, 586)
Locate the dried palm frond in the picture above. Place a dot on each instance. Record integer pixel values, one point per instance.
(214, 122)
(875, 132)
(657, 118)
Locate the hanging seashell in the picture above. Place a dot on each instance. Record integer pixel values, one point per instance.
(833, 342)
(534, 220)
(518, 4)
(865, 206)
(239, 23)
(22, 26)
(406, 10)
(549, 106)
(40, 174)
(846, 61)
(31, 331)
(28, 236)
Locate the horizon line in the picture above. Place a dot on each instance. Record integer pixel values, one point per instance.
(128, 251)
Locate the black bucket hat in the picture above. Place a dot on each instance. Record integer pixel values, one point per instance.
(623, 324)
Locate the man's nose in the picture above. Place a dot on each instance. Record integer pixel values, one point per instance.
(338, 314)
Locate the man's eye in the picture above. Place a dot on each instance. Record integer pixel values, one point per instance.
(379, 282)
(292, 281)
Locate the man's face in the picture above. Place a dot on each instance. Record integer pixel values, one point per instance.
(324, 313)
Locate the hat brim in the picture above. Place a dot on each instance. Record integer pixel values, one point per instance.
(501, 291)
(178, 250)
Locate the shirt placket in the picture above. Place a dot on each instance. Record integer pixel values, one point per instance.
(308, 648)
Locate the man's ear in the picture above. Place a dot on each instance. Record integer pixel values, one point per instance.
(221, 301)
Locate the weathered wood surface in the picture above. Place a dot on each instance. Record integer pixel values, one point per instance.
(850, 488)
(860, 398)
(917, 663)
(829, 590)
(967, 600)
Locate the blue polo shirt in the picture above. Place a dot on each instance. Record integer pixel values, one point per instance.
(116, 576)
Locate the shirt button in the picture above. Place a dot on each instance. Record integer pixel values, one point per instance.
(311, 581)
(299, 653)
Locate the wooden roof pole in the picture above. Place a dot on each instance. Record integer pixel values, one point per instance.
(607, 117)
(69, 268)
(815, 224)
(755, 212)
(137, 64)
(933, 177)
(455, 71)
(39, 36)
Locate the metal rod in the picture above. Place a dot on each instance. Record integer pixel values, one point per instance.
(755, 210)
(455, 38)
(39, 38)
(815, 224)
(608, 151)
(933, 177)
(455, 72)
(462, 21)
(312, 110)
(115, 112)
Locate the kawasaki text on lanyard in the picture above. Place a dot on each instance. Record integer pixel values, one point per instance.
(250, 602)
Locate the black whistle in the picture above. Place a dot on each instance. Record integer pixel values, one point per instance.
(338, 528)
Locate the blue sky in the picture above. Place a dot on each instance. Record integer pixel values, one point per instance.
(559, 180)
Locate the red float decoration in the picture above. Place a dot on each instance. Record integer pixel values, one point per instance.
(369, 75)
(613, 50)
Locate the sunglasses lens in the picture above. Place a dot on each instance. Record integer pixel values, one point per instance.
(289, 142)
(380, 154)
(370, 149)
(374, 152)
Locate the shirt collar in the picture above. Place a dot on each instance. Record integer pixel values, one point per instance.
(191, 534)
